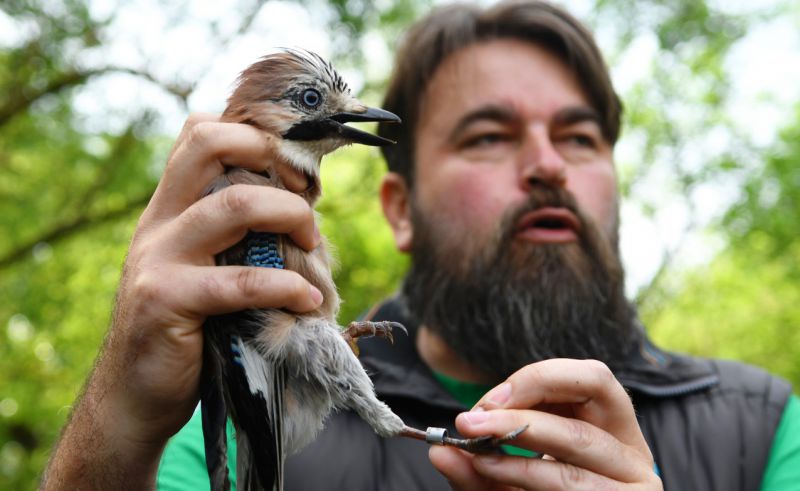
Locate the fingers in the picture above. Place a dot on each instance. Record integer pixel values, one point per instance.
(568, 440)
(537, 474)
(589, 388)
(204, 147)
(220, 220)
(190, 122)
(457, 467)
(212, 290)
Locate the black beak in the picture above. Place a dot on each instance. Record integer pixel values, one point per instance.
(358, 136)
(334, 126)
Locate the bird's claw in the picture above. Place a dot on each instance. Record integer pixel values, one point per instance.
(479, 445)
(382, 329)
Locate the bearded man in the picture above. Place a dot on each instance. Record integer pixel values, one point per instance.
(502, 188)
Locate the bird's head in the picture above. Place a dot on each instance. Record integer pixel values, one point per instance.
(300, 96)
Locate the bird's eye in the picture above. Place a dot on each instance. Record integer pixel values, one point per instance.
(311, 98)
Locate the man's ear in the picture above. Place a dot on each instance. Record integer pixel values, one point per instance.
(396, 208)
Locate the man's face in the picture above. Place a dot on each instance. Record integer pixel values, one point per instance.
(497, 117)
(513, 214)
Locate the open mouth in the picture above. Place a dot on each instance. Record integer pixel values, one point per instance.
(335, 126)
(549, 225)
(372, 114)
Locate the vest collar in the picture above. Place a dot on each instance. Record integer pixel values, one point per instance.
(398, 371)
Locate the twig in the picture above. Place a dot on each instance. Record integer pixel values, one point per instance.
(71, 227)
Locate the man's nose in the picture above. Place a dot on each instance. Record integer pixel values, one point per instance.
(539, 161)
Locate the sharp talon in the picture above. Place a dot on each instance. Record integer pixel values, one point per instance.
(397, 325)
(510, 436)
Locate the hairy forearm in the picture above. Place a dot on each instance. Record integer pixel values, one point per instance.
(96, 451)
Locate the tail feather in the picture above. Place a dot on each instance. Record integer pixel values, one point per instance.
(256, 384)
(215, 415)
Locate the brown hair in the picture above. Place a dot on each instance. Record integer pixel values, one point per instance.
(451, 28)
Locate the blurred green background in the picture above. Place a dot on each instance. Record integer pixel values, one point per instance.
(92, 95)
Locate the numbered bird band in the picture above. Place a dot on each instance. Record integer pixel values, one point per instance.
(435, 436)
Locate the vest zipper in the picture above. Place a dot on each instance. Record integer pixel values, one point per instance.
(674, 390)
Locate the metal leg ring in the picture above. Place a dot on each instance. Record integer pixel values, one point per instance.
(435, 436)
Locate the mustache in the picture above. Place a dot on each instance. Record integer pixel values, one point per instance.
(543, 195)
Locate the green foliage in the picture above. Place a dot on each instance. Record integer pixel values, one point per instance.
(56, 308)
(69, 199)
(770, 207)
(369, 267)
(745, 305)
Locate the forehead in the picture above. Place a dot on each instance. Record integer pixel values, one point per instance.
(506, 72)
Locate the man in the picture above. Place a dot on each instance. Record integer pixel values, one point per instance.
(503, 190)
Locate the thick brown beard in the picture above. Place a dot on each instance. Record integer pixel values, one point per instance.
(511, 303)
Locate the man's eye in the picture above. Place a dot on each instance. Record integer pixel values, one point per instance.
(485, 140)
(582, 141)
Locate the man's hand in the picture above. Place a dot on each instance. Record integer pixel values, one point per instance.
(578, 416)
(144, 386)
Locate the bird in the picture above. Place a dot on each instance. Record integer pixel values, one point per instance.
(278, 374)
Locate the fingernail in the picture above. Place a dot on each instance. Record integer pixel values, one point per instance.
(316, 295)
(475, 418)
(500, 394)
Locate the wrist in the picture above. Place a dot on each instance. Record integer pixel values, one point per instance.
(102, 448)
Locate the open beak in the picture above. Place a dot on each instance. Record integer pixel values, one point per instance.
(358, 136)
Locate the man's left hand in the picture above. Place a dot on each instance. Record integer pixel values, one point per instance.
(578, 416)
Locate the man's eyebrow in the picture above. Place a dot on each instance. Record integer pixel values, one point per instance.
(495, 113)
(574, 115)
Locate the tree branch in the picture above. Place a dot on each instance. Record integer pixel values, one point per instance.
(68, 228)
(21, 101)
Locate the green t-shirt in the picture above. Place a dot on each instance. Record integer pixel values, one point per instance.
(783, 467)
(183, 465)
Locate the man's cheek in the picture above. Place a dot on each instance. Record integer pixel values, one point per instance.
(471, 203)
(596, 200)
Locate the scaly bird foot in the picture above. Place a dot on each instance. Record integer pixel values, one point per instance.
(382, 329)
(481, 444)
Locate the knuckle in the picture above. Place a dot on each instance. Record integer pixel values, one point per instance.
(211, 286)
(601, 372)
(247, 282)
(579, 435)
(200, 134)
(236, 200)
(196, 213)
(531, 373)
(148, 286)
(572, 477)
(193, 120)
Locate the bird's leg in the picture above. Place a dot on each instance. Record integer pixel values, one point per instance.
(382, 329)
(481, 444)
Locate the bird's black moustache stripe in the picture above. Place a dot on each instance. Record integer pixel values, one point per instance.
(311, 130)
(334, 126)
